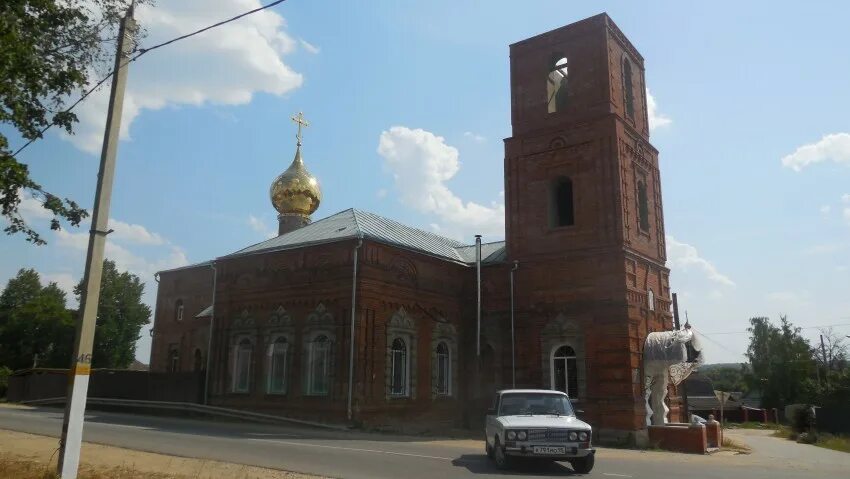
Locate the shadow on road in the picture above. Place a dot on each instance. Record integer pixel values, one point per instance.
(481, 464)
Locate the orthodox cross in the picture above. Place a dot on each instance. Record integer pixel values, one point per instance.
(299, 118)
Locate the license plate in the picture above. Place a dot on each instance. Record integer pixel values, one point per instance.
(550, 450)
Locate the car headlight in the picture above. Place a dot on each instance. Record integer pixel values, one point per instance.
(511, 435)
(582, 436)
(522, 435)
(573, 436)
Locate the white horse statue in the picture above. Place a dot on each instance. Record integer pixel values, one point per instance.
(666, 358)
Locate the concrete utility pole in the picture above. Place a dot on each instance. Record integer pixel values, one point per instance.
(78, 376)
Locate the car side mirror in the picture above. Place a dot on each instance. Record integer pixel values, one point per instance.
(491, 412)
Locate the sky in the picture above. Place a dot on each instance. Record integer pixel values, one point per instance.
(409, 103)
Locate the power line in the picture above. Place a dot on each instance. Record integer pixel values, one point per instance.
(142, 51)
(801, 327)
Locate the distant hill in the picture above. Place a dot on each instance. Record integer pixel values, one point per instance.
(716, 366)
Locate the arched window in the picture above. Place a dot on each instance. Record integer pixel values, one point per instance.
(628, 89)
(562, 208)
(198, 364)
(174, 361)
(242, 366)
(650, 298)
(398, 359)
(643, 206)
(444, 380)
(557, 85)
(277, 366)
(565, 371)
(178, 310)
(319, 366)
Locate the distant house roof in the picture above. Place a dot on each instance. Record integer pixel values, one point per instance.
(352, 223)
(698, 384)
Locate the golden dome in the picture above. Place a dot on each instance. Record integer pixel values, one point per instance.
(296, 191)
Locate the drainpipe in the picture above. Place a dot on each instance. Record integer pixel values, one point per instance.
(210, 339)
(478, 294)
(513, 342)
(351, 335)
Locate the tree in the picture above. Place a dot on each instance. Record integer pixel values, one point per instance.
(781, 362)
(120, 317)
(51, 49)
(36, 329)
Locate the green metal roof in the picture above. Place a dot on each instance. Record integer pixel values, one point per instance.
(352, 223)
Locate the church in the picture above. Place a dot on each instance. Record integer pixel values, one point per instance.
(356, 318)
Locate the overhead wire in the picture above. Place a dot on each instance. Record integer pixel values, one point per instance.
(138, 53)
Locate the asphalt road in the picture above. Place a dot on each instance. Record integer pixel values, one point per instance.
(354, 455)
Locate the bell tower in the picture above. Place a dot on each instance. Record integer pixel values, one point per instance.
(584, 216)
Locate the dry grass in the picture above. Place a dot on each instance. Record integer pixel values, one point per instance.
(733, 445)
(29, 456)
(23, 468)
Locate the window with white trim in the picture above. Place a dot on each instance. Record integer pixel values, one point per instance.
(242, 366)
(178, 310)
(174, 361)
(399, 372)
(277, 359)
(319, 366)
(650, 298)
(565, 370)
(444, 368)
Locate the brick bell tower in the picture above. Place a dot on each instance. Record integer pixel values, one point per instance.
(584, 222)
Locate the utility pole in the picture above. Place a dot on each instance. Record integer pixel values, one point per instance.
(825, 364)
(78, 375)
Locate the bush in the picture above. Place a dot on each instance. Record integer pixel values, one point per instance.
(803, 419)
(4, 380)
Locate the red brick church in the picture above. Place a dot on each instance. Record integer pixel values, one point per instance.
(356, 317)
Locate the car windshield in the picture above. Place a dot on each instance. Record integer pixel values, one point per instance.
(514, 404)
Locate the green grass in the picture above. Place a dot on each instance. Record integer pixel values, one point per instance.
(829, 441)
(836, 443)
(752, 425)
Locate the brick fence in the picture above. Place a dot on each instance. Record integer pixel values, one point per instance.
(32, 384)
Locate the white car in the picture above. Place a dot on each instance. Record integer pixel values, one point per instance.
(537, 423)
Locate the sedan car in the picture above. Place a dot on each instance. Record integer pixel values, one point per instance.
(537, 423)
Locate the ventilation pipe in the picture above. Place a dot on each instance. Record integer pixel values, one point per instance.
(478, 294)
(210, 339)
(513, 342)
(351, 334)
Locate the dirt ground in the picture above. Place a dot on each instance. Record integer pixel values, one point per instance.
(105, 460)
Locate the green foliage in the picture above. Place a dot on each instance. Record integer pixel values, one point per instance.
(730, 377)
(37, 329)
(49, 50)
(781, 362)
(120, 317)
(35, 326)
(4, 380)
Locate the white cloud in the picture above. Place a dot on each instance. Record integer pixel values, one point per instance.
(788, 297)
(31, 208)
(825, 209)
(261, 227)
(834, 147)
(382, 193)
(133, 233)
(474, 137)
(656, 119)
(309, 47)
(223, 66)
(421, 164)
(65, 281)
(684, 256)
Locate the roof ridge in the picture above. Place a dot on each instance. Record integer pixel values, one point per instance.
(454, 243)
(354, 212)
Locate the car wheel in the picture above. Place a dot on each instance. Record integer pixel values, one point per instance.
(502, 460)
(583, 465)
(488, 448)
